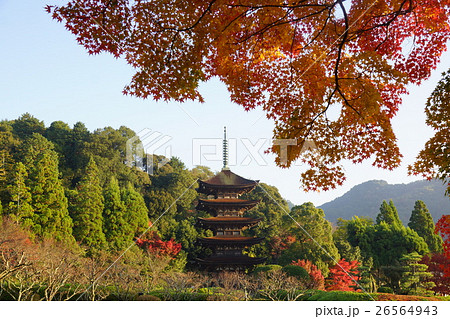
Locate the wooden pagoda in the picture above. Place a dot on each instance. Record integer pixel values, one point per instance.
(223, 203)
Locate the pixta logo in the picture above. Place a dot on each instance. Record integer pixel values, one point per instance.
(208, 150)
(141, 149)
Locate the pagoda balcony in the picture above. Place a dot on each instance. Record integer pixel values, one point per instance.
(230, 241)
(222, 205)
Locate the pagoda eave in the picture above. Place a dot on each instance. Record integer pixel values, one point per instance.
(231, 261)
(217, 222)
(230, 240)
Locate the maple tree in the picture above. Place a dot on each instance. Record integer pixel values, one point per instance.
(443, 227)
(317, 280)
(436, 264)
(298, 60)
(343, 276)
(434, 160)
(153, 244)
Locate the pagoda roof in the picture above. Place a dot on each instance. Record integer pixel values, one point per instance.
(233, 240)
(219, 221)
(226, 179)
(231, 260)
(208, 204)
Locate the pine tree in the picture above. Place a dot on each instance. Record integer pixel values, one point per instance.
(87, 210)
(388, 213)
(20, 205)
(422, 222)
(415, 277)
(115, 227)
(136, 212)
(51, 216)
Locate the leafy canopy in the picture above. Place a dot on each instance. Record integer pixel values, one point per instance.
(297, 60)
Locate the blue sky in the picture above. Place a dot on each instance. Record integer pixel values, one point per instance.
(44, 72)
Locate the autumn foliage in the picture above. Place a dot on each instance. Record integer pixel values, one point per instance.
(300, 61)
(343, 276)
(154, 245)
(438, 265)
(317, 281)
(443, 227)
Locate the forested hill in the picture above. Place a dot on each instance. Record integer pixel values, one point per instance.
(365, 199)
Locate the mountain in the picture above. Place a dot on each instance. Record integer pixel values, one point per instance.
(365, 200)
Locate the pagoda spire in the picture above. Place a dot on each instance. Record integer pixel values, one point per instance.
(225, 149)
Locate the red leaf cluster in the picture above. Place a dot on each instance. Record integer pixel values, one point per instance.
(343, 276)
(443, 227)
(158, 247)
(437, 264)
(317, 280)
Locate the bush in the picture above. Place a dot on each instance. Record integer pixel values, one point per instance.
(266, 268)
(296, 271)
(147, 298)
(385, 289)
(339, 296)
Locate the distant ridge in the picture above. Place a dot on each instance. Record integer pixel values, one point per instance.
(365, 200)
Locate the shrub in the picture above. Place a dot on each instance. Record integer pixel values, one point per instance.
(340, 296)
(296, 271)
(147, 298)
(266, 268)
(385, 289)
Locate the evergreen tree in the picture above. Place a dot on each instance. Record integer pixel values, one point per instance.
(422, 222)
(415, 278)
(20, 205)
(136, 212)
(314, 240)
(26, 125)
(87, 210)
(388, 213)
(115, 227)
(51, 216)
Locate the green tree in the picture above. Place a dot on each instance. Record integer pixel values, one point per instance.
(20, 205)
(415, 277)
(51, 216)
(202, 172)
(87, 209)
(314, 240)
(136, 212)
(422, 222)
(388, 213)
(385, 244)
(271, 209)
(115, 227)
(8, 149)
(340, 238)
(26, 125)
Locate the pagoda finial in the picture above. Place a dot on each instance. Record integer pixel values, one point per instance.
(225, 149)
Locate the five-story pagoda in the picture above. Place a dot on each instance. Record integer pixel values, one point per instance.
(223, 203)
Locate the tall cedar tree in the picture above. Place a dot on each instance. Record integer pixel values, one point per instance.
(51, 216)
(88, 209)
(422, 222)
(388, 213)
(115, 227)
(20, 207)
(136, 212)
